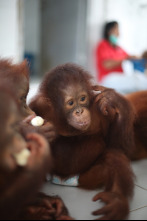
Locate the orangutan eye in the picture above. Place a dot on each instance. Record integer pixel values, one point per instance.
(23, 98)
(83, 98)
(70, 103)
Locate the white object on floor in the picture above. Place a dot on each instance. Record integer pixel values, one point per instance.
(73, 181)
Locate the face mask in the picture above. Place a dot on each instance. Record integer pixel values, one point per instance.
(113, 39)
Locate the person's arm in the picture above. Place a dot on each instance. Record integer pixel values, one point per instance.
(111, 64)
(133, 57)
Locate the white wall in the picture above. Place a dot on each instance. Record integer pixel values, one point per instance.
(132, 15)
(96, 19)
(9, 29)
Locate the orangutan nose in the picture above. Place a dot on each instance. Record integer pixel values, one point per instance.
(79, 111)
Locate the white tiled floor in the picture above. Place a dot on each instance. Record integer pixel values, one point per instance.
(79, 201)
(80, 205)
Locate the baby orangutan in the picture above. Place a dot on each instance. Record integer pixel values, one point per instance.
(20, 180)
(95, 136)
(17, 77)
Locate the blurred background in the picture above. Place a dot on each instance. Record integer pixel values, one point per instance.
(52, 32)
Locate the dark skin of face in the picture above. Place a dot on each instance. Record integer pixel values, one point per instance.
(115, 31)
(76, 107)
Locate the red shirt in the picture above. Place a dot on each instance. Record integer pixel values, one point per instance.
(105, 51)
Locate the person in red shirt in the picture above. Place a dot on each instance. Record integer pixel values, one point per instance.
(109, 60)
(108, 54)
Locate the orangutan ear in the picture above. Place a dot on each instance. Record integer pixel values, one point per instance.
(5, 64)
(24, 67)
